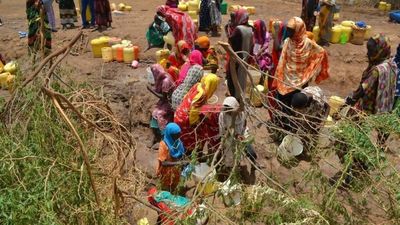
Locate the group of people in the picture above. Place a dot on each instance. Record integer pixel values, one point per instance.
(184, 121)
(99, 12)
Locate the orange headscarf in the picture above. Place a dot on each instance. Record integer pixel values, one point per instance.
(301, 60)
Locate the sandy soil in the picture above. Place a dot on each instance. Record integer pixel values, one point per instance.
(125, 87)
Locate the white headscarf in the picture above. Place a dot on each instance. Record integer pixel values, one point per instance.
(225, 118)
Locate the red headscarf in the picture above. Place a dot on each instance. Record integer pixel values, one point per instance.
(260, 30)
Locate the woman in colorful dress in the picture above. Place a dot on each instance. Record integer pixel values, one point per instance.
(170, 153)
(198, 126)
(377, 89)
(190, 78)
(68, 15)
(325, 21)
(210, 16)
(103, 14)
(261, 49)
(163, 112)
(33, 8)
(210, 58)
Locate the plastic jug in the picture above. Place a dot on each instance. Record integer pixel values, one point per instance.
(114, 50)
(256, 96)
(169, 38)
(183, 7)
(98, 44)
(251, 10)
(128, 55)
(388, 7)
(368, 32)
(336, 32)
(162, 54)
(193, 6)
(224, 8)
(348, 23)
(346, 32)
(193, 15)
(106, 54)
(120, 54)
(358, 35)
(136, 52)
(335, 102)
(316, 31)
(382, 6)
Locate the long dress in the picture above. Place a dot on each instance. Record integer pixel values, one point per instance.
(307, 13)
(103, 12)
(68, 13)
(33, 16)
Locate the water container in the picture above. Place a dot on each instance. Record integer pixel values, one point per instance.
(169, 38)
(114, 41)
(162, 54)
(193, 6)
(121, 6)
(3, 79)
(224, 8)
(336, 16)
(388, 7)
(335, 103)
(346, 31)
(136, 51)
(316, 31)
(290, 147)
(358, 35)
(193, 15)
(128, 55)
(382, 6)
(368, 32)
(114, 50)
(251, 10)
(120, 54)
(97, 44)
(128, 8)
(106, 54)
(234, 8)
(336, 32)
(348, 23)
(183, 7)
(256, 96)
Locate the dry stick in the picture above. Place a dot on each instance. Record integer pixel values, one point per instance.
(48, 58)
(82, 147)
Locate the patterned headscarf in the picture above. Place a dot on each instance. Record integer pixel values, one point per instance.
(260, 30)
(163, 83)
(382, 48)
(301, 60)
(195, 58)
(241, 17)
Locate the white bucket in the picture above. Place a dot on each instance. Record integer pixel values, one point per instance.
(150, 77)
(201, 171)
(291, 146)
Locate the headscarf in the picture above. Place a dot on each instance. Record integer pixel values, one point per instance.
(205, 89)
(163, 83)
(175, 147)
(195, 58)
(241, 17)
(260, 31)
(301, 60)
(203, 42)
(181, 46)
(225, 120)
(382, 48)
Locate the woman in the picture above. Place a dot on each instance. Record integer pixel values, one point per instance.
(309, 13)
(103, 14)
(325, 21)
(230, 107)
(241, 40)
(84, 5)
(210, 58)
(376, 92)
(48, 5)
(162, 113)
(33, 8)
(261, 49)
(183, 27)
(197, 126)
(195, 58)
(192, 77)
(171, 150)
(302, 60)
(210, 16)
(181, 54)
(68, 15)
